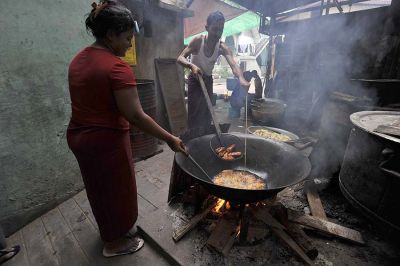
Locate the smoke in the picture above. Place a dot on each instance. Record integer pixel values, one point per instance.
(317, 64)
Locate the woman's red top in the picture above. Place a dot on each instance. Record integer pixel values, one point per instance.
(93, 75)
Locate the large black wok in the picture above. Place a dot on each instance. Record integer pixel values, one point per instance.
(279, 164)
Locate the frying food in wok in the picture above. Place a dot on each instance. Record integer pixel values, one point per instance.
(239, 179)
(265, 133)
(228, 153)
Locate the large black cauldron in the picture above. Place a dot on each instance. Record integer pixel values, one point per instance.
(279, 164)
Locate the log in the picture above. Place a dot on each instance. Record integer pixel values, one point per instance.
(295, 231)
(285, 238)
(223, 236)
(315, 204)
(278, 229)
(298, 235)
(244, 224)
(178, 233)
(263, 215)
(326, 227)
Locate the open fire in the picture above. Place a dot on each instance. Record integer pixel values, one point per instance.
(245, 224)
(218, 206)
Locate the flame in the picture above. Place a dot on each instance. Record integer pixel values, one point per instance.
(238, 231)
(218, 206)
(227, 205)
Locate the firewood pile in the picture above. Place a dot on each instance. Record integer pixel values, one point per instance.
(233, 224)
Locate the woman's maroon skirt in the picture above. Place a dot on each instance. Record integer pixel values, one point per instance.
(105, 160)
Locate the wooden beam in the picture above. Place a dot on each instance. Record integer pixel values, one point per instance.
(223, 236)
(278, 229)
(186, 13)
(285, 238)
(338, 5)
(298, 235)
(178, 233)
(321, 11)
(328, 5)
(326, 227)
(284, 15)
(315, 204)
(280, 212)
(263, 215)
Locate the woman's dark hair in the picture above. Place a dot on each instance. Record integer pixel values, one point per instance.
(214, 17)
(109, 15)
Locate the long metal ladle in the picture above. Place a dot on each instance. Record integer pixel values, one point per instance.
(210, 108)
(197, 165)
(220, 136)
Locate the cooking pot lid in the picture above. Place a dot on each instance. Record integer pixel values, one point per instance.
(371, 120)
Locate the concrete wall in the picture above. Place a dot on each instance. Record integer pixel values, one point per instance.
(166, 41)
(39, 38)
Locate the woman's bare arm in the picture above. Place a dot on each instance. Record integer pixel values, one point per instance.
(129, 105)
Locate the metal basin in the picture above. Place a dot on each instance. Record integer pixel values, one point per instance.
(268, 110)
(292, 136)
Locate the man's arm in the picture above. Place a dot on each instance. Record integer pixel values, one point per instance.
(192, 48)
(227, 53)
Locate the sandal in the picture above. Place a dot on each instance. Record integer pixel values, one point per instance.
(139, 244)
(8, 253)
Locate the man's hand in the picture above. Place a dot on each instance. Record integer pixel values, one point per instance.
(244, 84)
(195, 70)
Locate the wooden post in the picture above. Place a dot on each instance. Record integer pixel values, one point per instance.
(322, 8)
(269, 75)
(328, 5)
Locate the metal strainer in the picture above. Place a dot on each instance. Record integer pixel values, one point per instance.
(220, 139)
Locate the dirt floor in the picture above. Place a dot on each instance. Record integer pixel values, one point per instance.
(332, 251)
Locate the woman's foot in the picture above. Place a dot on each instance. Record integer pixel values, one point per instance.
(122, 246)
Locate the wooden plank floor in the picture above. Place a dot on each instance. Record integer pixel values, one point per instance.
(68, 234)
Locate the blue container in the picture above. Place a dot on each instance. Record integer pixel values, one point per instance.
(231, 83)
(234, 112)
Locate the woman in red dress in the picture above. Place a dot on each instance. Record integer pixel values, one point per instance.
(104, 101)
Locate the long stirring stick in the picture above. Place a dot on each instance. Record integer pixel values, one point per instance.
(245, 137)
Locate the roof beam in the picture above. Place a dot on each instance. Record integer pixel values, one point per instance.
(298, 11)
(272, 7)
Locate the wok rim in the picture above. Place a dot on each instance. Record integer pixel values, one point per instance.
(307, 169)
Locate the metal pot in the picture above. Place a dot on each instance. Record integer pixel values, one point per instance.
(368, 177)
(279, 164)
(291, 135)
(267, 110)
